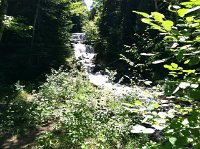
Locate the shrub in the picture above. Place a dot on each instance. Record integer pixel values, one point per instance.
(84, 117)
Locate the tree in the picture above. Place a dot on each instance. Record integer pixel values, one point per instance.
(3, 12)
(37, 38)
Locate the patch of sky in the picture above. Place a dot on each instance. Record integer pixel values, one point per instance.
(88, 3)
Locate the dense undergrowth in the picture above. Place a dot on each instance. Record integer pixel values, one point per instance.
(83, 116)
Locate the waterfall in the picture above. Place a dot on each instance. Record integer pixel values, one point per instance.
(85, 54)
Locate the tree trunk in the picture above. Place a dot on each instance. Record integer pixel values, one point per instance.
(3, 11)
(35, 22)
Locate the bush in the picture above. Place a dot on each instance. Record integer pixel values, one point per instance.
(84, 117)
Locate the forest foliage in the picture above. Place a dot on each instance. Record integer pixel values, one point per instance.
(148, 42)
(169, 42)
(36, 36)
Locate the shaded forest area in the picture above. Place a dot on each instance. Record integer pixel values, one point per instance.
(119, 33)
(121, 30)
(36, 38)
(151, 46)
(33, 42)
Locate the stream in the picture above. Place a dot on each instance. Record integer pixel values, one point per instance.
(85, 55)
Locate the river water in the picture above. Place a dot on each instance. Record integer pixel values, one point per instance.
(85, 55)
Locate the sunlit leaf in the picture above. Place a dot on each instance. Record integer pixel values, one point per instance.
(180, 68)
(147, 54)
(173, 75)
(167, 25)
(137, 102)
(194, 85)
(184, 85)
(157, 27)
(168, 67)
(127, 104)
(189, 71)
(185, 122)
(159, 61)
(174, 65)
(156, 105)
(171, 37)
(187, 61)
(197, 39)
(182, 12)
(158, 16)
(172, 140)
(189, 19)
(142, 14)
(173, 72)
(174, 45)
(148, 82)
(145, 20)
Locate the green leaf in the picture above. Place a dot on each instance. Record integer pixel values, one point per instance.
(194, 25)
(187, 61)
(180, 55)
(197, 39)
(146, 15)
(148, 82)
(182, 12)
(157, 27)
(180, 68)
(189, 19)
(156, 105)
(158, 16)
(189, 71)
(173, 72)
(194, 61)
(171, 37)
(167, 25)
(172, 140)
(174, 65)
(146, 20)
(127, 104)
(169, 67)
(173, 75)
(191, 3)
(137, 102)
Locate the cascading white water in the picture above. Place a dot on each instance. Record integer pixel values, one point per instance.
(85, 54)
